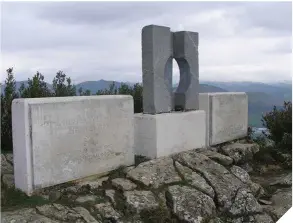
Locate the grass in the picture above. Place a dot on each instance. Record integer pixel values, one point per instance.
(14, 198)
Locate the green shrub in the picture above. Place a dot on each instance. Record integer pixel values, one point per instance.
(279, 124)
(62, 89)
(6, 101)
(276, 144)
(36, 88)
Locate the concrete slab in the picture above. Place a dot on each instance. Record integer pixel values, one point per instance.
(56, 140)
(165, 134)
(227, 115)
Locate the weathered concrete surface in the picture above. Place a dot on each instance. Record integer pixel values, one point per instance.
(185, 51)
(164, 134)
(157, 54)
(56, 140)
(227, 115)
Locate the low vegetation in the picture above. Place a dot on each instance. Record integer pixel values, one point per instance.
(276, 143)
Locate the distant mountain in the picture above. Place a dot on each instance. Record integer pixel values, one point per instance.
(279, 91)
(205, 88)
(94, 86)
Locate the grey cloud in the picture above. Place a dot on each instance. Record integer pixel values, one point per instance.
(274, 17)
(102, 39)
(113, 13)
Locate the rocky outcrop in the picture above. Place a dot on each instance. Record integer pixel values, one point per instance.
(6, 167)
(198, 186)
(155, 173)
(240, 152)
(220, 179)
(195, 180)
(140, 200)
(182, 200)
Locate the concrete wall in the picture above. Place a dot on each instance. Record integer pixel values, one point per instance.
(227, 115)
(60, 139)
(165, 134)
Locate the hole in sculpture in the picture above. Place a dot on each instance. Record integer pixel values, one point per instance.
(176, 75)
(184, 82)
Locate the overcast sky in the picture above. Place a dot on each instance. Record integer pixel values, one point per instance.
(102, 40)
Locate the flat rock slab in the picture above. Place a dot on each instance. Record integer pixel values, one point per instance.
(242, 175)
(139, 200)
(155, 173)
(6, 167)
(85, 214)
(123, 184)
(219, 178)
(24, 215)
(283, 181)
(63, 213)
(218, 157)
(199, 162)
(107, 211)
(190, 205)
(87, 199)
(240, 152)
(282, 202)
(93, 184)
(195, 179)
(245, 204)
(111, 195)
(263, 218)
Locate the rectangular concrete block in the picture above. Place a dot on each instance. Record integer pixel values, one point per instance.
(165, 134)
(56, 140)
(185, 52)
(227, 115)
(157, 53)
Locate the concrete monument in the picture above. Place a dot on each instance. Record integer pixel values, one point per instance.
(159, 47)
(159, 131)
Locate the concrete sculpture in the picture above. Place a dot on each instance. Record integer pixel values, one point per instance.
(159, 47)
